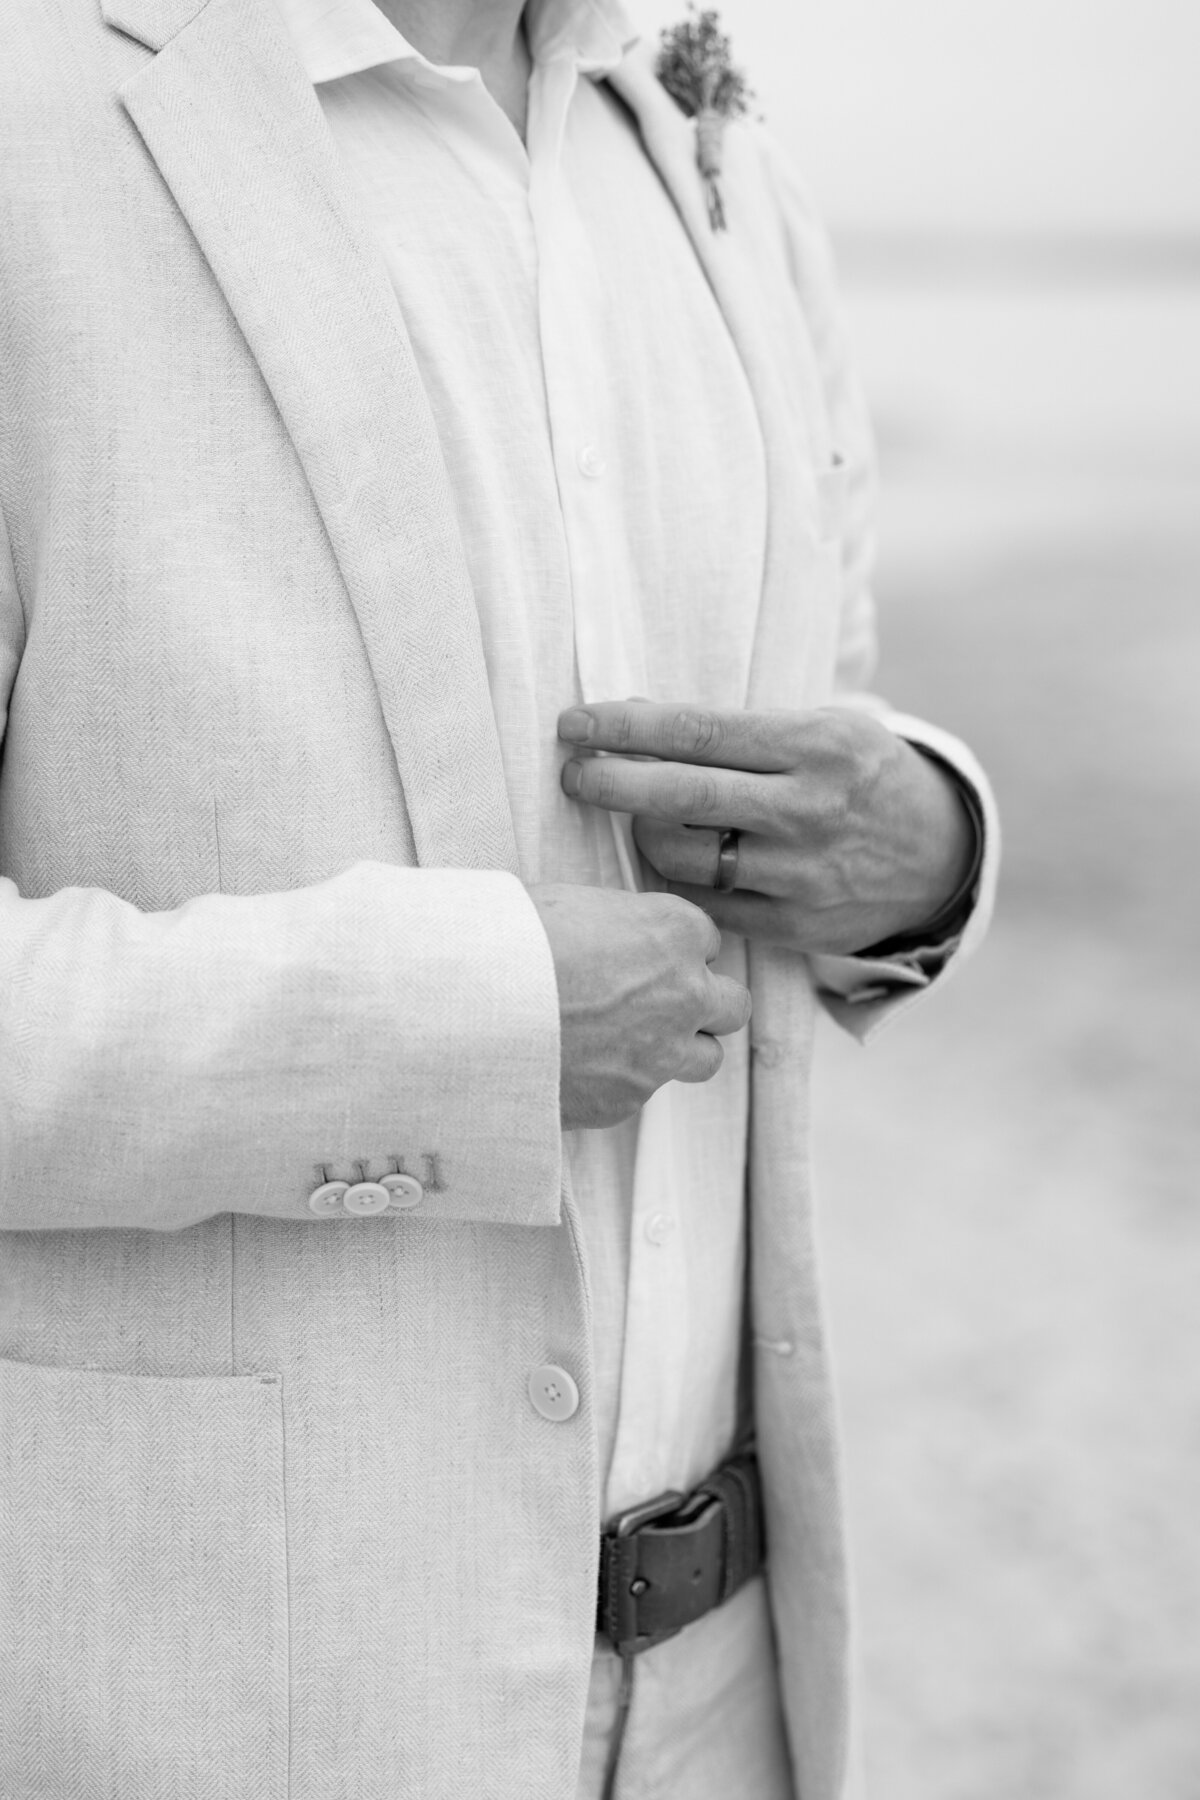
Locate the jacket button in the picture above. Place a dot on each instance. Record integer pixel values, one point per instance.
(405, 1190)
(366, 1197)
(326, 1200)
(553, 1393)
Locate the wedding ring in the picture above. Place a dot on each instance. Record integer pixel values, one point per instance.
(727, 861)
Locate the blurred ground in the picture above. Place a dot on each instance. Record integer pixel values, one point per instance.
(1011, 1180)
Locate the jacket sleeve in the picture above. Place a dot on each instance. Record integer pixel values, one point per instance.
(228, 1055)
(862, 993)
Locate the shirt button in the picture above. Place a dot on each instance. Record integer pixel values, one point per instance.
(590, 461)
(659, 1227)
(366, 1197)
(405, 1191)
(326, 1200)
(553, 1393)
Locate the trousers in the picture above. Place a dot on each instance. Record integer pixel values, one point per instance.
(705, 1721)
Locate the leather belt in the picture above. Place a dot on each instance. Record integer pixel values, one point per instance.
(666, 1563)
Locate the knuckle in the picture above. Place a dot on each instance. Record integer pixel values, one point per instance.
(850, 751)
(676, 912)
(697, 733)
(604, 778)
(623, 729)
(685, 932)
(698, 989)
(733, 1006)
(694, 796)
(824, 819)
(696, 927)
(746, 799)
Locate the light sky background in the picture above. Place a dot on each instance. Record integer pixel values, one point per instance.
(1046, 115)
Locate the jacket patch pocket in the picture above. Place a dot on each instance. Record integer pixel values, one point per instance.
(143, 1586)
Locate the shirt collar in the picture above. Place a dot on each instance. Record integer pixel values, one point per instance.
(341, 37)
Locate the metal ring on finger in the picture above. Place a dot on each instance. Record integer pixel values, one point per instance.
(727, 861)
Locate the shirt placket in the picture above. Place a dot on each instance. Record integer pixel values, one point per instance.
(611, 664)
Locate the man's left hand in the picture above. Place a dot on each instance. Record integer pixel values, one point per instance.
(849, 836)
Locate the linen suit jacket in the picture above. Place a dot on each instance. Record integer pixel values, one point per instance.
(276, 1515)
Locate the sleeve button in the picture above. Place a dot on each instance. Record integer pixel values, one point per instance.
(326, 1201)
(404, 1191)
(366, 1198)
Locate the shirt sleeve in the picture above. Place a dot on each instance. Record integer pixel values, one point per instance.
(864, 993)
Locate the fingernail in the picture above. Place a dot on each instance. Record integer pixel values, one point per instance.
(576, 726)
(572, 776)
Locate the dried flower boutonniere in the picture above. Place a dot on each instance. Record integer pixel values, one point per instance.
(695, 68)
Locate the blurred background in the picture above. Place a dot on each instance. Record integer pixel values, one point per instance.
(1011, 1181)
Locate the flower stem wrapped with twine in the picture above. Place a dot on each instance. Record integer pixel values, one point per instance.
(695, 67)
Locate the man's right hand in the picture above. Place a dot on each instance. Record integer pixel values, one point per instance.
(639, 1004)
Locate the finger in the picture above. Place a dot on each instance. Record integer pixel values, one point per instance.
(763, 742)
(672, 792)
(729, 1007)
(698, 922)
(702, 1059)
(756, 916)
(686, 854)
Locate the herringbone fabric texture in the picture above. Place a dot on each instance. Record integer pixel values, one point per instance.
(151, 1619)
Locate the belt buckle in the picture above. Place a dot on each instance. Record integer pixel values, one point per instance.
(635, 1517)
(622, 1584)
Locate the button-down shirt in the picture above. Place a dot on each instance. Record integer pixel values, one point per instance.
(606, 462)
(607, 467)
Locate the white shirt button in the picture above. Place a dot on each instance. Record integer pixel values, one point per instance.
(365, 1198)
(553, 1393)
(590, 461)
(326, 1200)
(659, 1227)
(405, 1191)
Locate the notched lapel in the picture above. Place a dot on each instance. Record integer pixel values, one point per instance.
(237, 132)
(744, 279)
(752, 287)
(152, 22)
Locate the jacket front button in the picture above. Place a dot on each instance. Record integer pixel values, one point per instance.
(326, 1200)
(366, 1197)
(553, 1393)
(405, 1190)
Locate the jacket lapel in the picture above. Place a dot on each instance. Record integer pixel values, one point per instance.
(747, 270)
(237, 132)
(745, 265)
